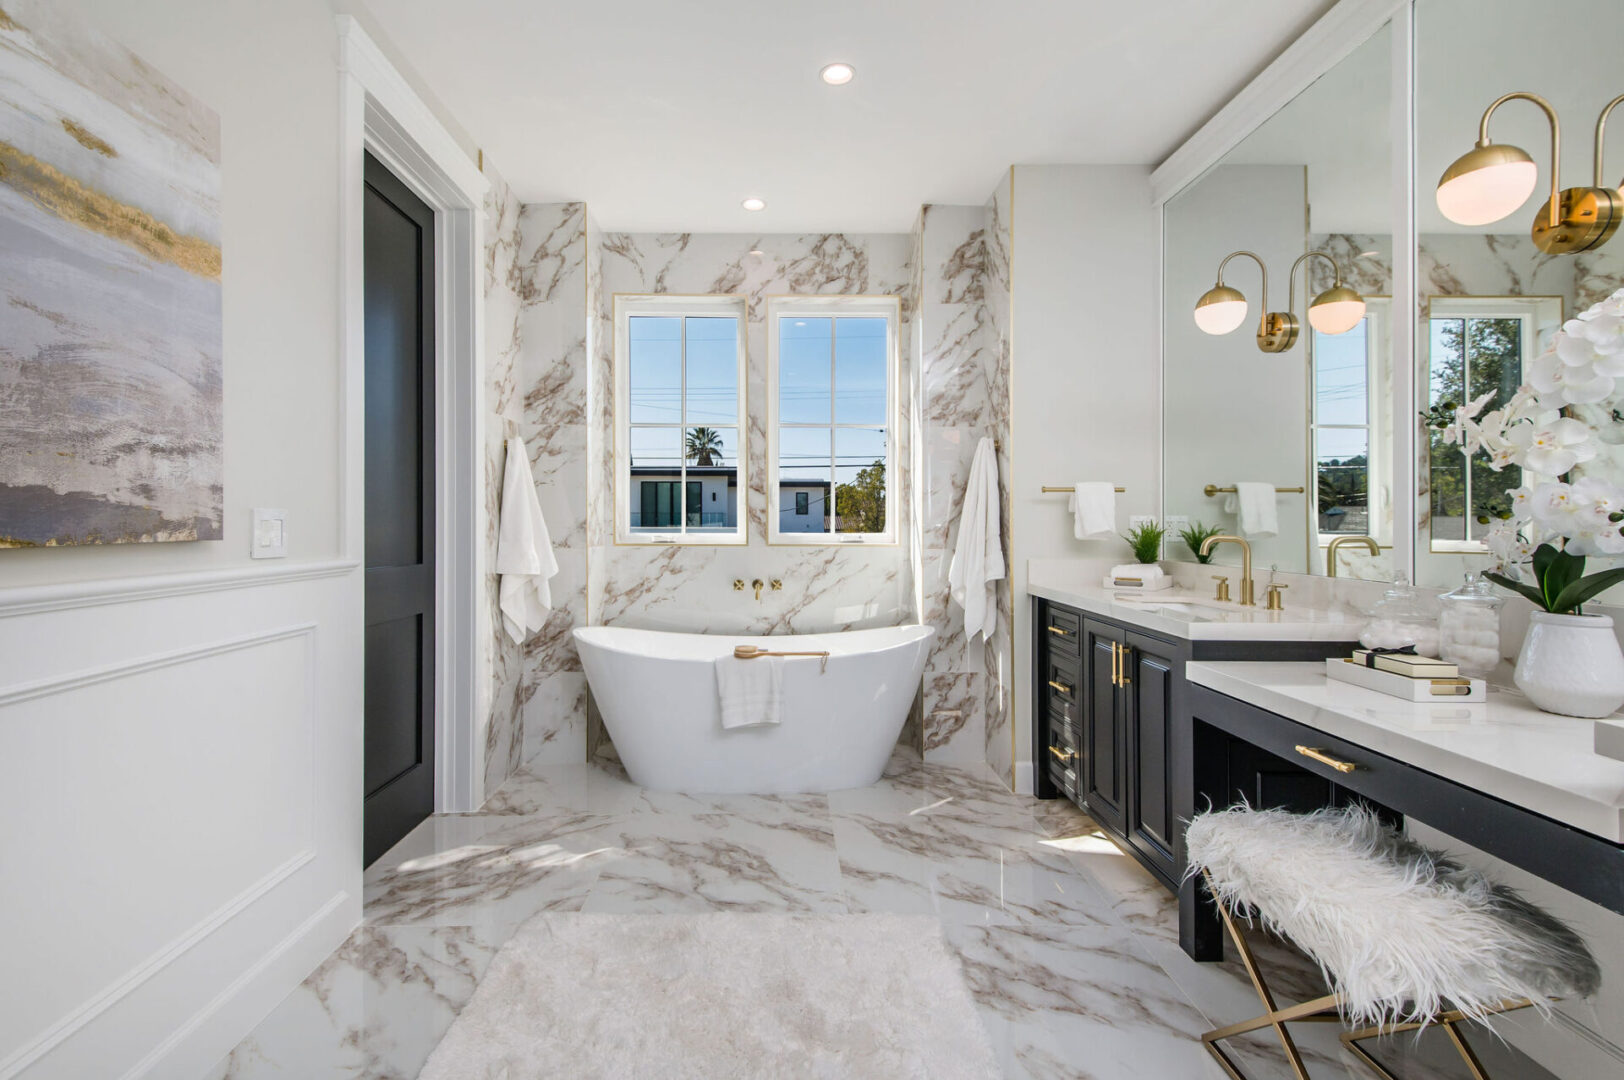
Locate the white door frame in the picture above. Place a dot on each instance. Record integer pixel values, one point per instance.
(381, 114)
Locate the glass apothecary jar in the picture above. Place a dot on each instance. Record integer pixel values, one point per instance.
(1402, 618)
(1469, 627)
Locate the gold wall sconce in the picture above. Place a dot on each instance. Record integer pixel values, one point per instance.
(1491, 181)
(1335, 311)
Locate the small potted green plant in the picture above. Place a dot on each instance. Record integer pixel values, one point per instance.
(1146, 540)
(1194, 535)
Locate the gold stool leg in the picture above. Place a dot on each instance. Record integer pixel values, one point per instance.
(1449, 1021)
(1322, 1008)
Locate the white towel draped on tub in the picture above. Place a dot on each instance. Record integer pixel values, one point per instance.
(524, 551)
(1093, 506)
(1256, 507)
(978, 558)
(751, 691)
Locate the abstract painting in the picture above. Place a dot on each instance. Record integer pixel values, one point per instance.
(110, 319)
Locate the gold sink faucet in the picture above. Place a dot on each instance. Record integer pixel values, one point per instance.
(1247, 599)
(1330, 551)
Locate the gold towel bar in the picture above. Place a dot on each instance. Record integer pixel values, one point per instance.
(1213, 489)
(750, 652)
(1047, 490)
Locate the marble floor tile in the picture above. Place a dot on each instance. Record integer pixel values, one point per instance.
(1070, 947)
(374, 1010)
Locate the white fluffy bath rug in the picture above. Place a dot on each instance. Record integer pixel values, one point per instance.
(717, 997)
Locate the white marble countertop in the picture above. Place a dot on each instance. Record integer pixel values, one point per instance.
(1503, 747)
(1194, 616)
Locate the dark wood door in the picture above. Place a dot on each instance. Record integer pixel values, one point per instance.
(1153, 667)
(399, 755)
(1104, 744)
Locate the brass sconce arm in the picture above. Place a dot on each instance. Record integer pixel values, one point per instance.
(1601, 143)
(1483, 142)
(1291, 278)
(1262, 269)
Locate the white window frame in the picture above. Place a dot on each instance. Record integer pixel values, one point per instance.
(1377, 496)
(668, 305)
(1540, 317)
(828, 307)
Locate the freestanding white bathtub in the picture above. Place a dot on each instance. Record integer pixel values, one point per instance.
(657, 694)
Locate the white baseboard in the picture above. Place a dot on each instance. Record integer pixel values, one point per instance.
(1023, 778)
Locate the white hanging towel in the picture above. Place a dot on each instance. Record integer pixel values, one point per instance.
(1093, 506)
(751, 691)
(524, 551)
(978, 559)
(1256, 506)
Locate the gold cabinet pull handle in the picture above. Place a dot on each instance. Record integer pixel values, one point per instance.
(1127, 656)
(1315, 754)
(1063, 755)
(1060, 686)
(1114, 664)
(1057, 630)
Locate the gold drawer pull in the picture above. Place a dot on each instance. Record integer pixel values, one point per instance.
(1325, 759)
(1057, 630)
(1063, 755)
(1060, 686)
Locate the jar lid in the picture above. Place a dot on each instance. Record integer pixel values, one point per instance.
(1402, 602)
(1476, 589)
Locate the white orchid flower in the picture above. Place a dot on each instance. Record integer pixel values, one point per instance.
(1557, 383)
(1552, 449)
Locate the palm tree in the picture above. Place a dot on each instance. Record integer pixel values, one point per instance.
(704, 445)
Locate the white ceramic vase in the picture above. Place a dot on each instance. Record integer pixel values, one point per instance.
(1571, 665)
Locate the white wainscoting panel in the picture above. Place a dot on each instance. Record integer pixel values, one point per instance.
(180, 794)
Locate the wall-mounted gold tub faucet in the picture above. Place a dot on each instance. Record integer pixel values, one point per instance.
(757, 585)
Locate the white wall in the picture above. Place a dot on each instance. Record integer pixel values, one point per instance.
(180, 749)
(1085, 383)
(1235, 412)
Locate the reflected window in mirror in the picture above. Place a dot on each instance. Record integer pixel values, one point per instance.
(1476, 346)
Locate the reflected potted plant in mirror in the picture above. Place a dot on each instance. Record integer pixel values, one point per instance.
(1194, 535)
(1570, 663)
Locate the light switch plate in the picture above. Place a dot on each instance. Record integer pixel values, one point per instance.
(269, 538)
(1177, 523)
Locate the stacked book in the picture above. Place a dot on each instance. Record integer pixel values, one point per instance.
(1406, 676)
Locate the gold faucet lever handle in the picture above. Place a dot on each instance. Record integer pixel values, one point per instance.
(738, 584)
(1222, 591)
(1274, 601)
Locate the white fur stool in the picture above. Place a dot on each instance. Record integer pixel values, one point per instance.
(1405, 936)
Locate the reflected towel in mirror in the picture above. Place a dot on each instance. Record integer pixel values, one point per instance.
(1255, 508)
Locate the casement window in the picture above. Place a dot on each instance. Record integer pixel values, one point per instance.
(831, 419)
(1476, 344)
(1348, 429)
(679, 420)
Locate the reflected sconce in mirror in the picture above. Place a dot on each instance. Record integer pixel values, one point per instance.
(1491, 181)
(1335, 311)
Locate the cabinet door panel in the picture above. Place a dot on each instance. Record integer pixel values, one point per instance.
(1104, 748)
(1150, 693)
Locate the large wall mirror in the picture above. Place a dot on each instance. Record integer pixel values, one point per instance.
(1489, 298)
(1290, 386)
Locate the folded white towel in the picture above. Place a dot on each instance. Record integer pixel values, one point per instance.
(978, 557)
(751, 691)
(1255, 504)
(1093, 506)
(524, 551)
(1140, 571)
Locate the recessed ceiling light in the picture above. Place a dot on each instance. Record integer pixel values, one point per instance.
(837, 74)
(754, 203)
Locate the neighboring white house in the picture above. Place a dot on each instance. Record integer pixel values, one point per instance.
(711, 499)
(803, 506)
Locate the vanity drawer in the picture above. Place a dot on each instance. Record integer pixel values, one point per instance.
(1062, 630)
(1061, 692)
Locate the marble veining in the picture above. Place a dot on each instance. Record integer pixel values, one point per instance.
(1069, 948)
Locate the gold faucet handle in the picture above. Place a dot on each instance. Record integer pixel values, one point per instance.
(738, 584)
(1223, 587)
(776, 584)
(1274, 601)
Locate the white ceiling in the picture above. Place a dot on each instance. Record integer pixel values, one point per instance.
(663, 116)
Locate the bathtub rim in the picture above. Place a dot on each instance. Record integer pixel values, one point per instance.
(594, 636)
